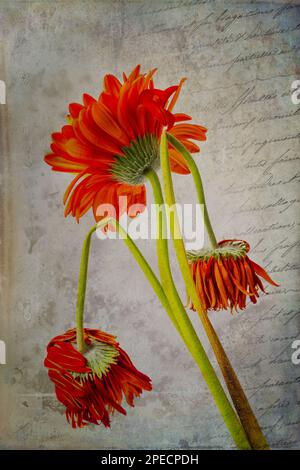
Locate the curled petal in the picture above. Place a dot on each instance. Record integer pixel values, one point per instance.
(225, 276)
(127, 120)
(93, 385)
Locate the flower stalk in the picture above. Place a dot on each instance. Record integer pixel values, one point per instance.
(187, 330)
(179, 319)
(241, 403)
(198, 183)
(82, 280)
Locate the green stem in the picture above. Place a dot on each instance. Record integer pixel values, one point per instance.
(241, 403)
(154, 282)
(187, 330)
(81, 290)
(162, 242)
(193, 345)
(82, 281)
(199, 186)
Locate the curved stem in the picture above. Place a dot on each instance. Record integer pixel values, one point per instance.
(241, 403)
(150, 275)
(187, 330)
(162, 242)
(82, 279)
(181, 324)
(199, 186)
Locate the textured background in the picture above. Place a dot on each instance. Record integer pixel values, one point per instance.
(240, 59)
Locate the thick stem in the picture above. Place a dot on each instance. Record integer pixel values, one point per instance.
(82, 279)
(187, 330)
(199, 186)
(241, 403)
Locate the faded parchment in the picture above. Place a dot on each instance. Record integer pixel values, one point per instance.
(240, 59)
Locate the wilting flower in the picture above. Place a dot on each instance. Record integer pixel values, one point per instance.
(225, 276)
(111, 143)
(91, 385)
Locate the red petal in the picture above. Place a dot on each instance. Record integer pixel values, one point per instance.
(262, 273)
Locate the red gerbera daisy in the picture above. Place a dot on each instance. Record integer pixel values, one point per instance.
(225, 276)
(112, 142)
(92, 385)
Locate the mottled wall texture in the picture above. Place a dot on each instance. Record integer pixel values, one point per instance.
(240, 59)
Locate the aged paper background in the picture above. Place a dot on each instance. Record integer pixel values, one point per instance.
(240, 59)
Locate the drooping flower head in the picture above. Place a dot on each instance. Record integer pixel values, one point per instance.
(225, 276)
(111, 143)
(91, 385)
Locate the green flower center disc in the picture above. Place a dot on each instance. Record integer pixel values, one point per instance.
(235, 249)
(141, 156)
(99, 356)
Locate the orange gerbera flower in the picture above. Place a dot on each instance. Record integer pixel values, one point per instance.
(112, 142)
(92, 385)
(225, 276)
